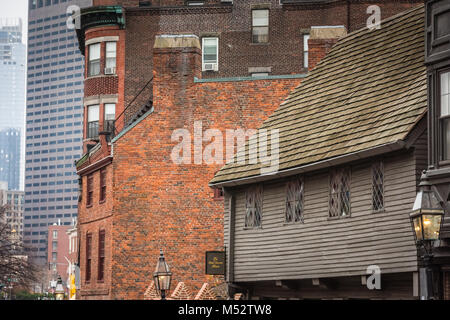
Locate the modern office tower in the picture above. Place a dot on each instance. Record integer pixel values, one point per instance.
(12, 101)
(54, 121)
(10, 142)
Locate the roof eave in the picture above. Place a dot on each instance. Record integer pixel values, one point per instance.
(331, 162)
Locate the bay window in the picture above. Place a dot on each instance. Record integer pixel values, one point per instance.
(110, 57)
(94, 59)
(93, 119)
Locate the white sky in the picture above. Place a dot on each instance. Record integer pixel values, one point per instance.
(16, 9)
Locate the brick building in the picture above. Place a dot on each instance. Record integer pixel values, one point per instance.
(146, 77)
(58, 252)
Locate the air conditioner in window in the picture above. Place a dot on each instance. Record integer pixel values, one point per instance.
(211, 67)
(110, 70)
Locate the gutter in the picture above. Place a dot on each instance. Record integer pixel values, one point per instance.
(332, 162)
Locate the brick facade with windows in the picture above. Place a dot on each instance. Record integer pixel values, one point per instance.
(152, 203)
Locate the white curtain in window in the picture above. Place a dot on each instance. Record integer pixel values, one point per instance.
(93, 113)
(110, 111)
(94, 52)
(260, 18)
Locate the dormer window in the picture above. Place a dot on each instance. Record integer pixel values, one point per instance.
(444, 101)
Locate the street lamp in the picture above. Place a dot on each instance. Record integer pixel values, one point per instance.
(162, 276)
(59, 291)
(426, 218)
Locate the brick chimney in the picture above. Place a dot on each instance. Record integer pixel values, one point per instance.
(321, 39)
(176, 61)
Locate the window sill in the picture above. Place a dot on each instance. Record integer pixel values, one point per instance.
(444, 163)
(102, 201)
(252, 228)
(378, 211)
(260, 43)
(293, 223)
(339, 217)
(100, 76)
(100, 281)
(89, 205)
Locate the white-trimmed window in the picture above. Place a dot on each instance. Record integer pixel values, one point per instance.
(210, 54)
(305, 50)
(94, 59)
(260, 26)
(445, 113)
(110, 57)
(93, 119)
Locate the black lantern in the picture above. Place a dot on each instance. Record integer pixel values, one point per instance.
(427, 213)
(162, 276)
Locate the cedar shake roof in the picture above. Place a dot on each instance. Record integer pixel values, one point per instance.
(369, 91)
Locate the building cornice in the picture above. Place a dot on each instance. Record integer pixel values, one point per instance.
(99, 16)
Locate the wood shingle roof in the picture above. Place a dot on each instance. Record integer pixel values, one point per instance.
(369, 91)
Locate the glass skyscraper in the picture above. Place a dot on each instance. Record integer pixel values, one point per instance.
(12, 101)
(54, 121)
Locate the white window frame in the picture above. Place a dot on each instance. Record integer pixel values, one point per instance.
(217, 52)
(112, 55)
(98, 60)
(305, 50)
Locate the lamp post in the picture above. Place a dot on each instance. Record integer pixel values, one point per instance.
(426, 218)
(59, 291)
(162, 276)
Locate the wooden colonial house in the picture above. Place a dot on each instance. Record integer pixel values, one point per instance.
(334, 218)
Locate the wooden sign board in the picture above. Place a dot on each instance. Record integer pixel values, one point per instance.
(215, 262)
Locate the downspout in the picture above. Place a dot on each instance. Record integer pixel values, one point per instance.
(230, 242)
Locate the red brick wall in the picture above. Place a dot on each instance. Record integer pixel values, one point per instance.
(283, 53)
(92, 219)
(62, 250)
(161, 205)
(318, 48)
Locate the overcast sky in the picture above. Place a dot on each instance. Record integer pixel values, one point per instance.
(15, 9)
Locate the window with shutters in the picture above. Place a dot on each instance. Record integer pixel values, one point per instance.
(90, 190)
(101, 255)
(102, 184)
(294, 201)
(378, 186)
(88, 257)
(253, 206)
(339, 197)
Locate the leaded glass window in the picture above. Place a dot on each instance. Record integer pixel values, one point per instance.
(294, 200)
(339, 201)
(378, 186)
(253, 206)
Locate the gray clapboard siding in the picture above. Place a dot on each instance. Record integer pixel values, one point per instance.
(323, 247)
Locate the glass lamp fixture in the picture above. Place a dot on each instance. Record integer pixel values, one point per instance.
(162, 276)
(427, 213)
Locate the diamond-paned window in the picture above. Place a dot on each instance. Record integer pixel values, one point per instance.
(294, 200)
(339, 202)
(253, 206)
(378, 186)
